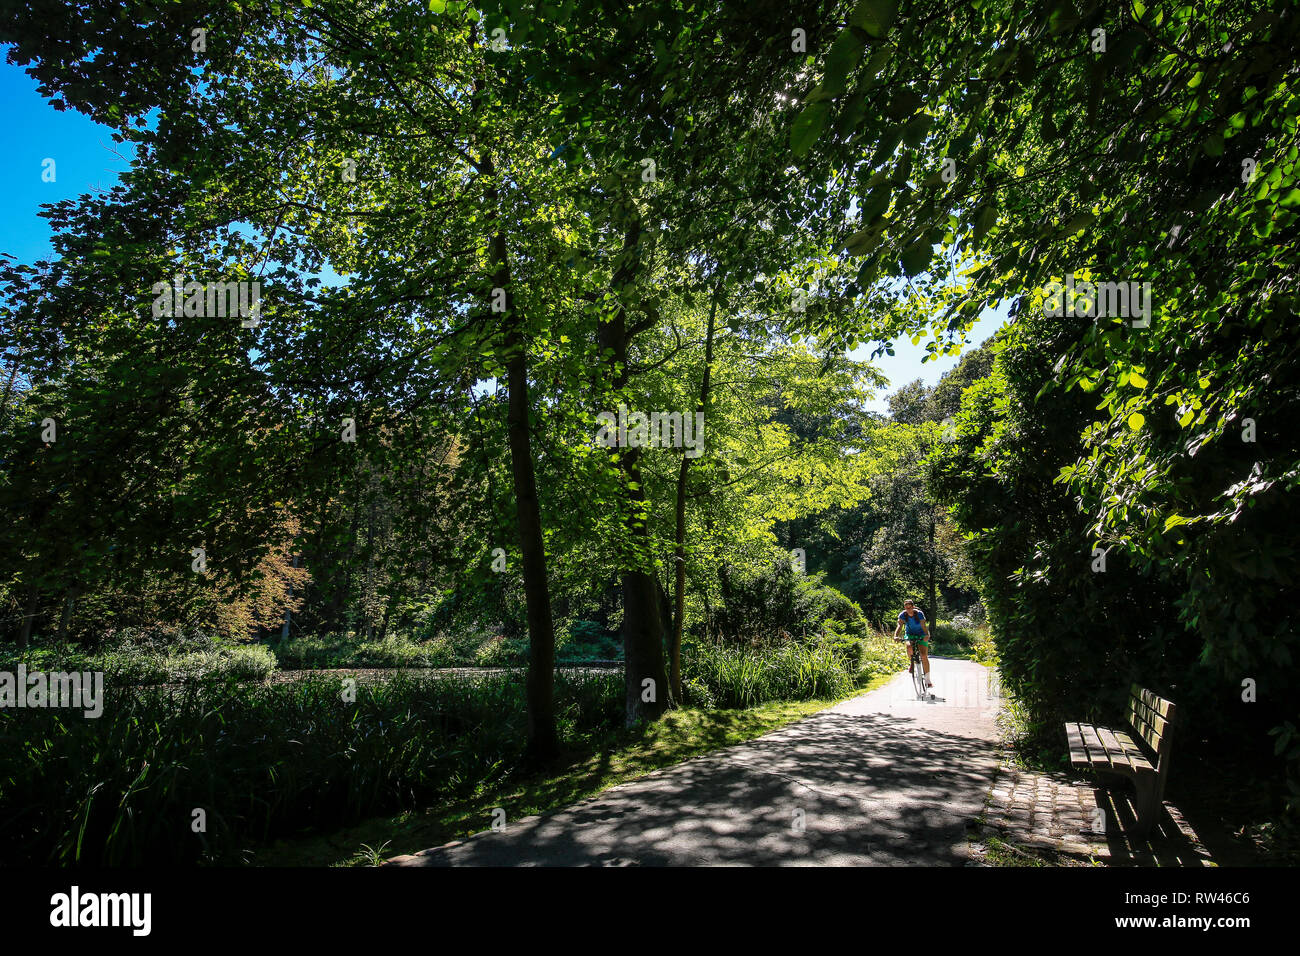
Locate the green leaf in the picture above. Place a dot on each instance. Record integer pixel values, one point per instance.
(844, 55)
(863, 241)
(1136, 421)
(903, 104)
(874, 16)
(1077, 223)
(879, 60)
(984, 221)
(914, 132)
(916, 257)
(851, 113)
(808, 125)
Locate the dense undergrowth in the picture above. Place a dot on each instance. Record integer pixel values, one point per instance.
(204, 771)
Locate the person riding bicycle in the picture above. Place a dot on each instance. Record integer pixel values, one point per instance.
(913, 618)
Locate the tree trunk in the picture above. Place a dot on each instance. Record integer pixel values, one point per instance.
(370, 564)
(934, 608)
(679, 554)
(388, 616)
(65, 619)
(288, 614)
(341, 607)
(29, 615)
(648, 692)
(543, 742)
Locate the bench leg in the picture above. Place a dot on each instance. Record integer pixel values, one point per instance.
(1146, 805)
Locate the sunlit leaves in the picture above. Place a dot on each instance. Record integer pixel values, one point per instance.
(808, 125)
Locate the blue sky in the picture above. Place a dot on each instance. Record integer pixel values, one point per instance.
(86, 160)
(905, 364)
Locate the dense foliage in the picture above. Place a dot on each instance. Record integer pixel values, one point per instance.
(482, 228)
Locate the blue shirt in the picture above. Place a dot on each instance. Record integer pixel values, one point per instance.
(914, 622)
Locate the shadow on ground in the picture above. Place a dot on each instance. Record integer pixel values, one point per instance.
(842, 787)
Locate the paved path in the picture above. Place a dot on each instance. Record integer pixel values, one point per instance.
(881, 779)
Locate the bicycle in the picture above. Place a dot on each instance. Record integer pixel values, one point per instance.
(917, 667)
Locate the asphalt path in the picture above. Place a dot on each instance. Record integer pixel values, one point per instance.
(882, 779)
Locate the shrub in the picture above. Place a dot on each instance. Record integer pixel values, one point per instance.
(756, 609)
(847, 650)
(984, 650)
(502, 652)
(953, 638)
(881, 655)
(973, 617)
(589, 640)
(696, 693)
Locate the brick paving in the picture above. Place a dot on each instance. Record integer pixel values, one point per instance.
(1081, 821)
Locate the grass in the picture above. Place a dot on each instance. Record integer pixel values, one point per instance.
(199, 662)
(260, 760)
(472, 649)
(339, 650)
(723, 676)
(962, 643)
(999, 852)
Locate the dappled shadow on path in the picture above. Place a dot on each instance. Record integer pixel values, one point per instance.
(835, 788)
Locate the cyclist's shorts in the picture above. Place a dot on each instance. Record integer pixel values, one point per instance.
(917, 639)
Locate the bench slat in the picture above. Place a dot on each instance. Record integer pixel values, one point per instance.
(1156, 703)
(1104, 747)
(1122, 754)
(1151, 718)
(1100, 753)
(1084, 746)
(1092, 739)
(1146, 734)
(1078, 749)
(1149, 715)
(1137, 759)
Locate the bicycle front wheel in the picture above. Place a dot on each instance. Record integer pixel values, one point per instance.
(918, 679)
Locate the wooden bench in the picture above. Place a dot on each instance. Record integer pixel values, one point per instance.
(1117, 753)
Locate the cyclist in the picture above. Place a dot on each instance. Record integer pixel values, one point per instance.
(913, 618)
